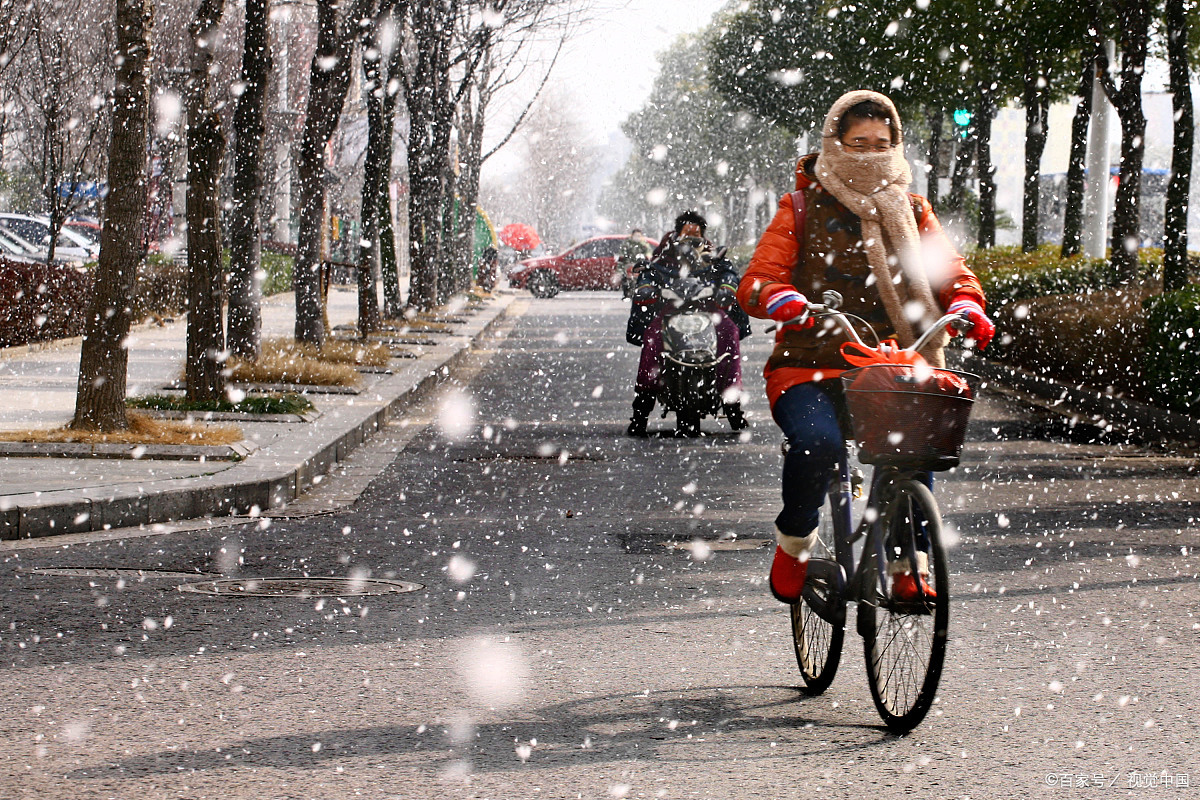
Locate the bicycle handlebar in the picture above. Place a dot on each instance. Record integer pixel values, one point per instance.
(958, 322)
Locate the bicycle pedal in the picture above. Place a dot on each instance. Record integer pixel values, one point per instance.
(857, 480)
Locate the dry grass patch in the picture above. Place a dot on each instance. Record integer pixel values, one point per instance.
(142, 430)
(1097, 338)
(288, 361)
(415, 326)
(356, 353)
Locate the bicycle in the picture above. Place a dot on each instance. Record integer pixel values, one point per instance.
(904, 640)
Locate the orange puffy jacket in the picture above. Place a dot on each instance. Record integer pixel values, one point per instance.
(779, 262)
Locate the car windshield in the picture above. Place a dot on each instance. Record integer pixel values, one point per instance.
(92, 235)
(15, 238)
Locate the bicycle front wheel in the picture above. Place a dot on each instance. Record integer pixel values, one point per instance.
(905, 639)
(818, 617)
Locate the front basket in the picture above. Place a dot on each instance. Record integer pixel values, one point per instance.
(909, 416)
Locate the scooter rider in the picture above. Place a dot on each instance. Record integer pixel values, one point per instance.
(646, 315)
(850, 226)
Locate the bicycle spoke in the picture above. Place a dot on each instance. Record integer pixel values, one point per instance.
(818, 642)
(904, 650)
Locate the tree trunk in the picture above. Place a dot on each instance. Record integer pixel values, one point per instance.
(103, 361)
(964, 157)
(936, 118)
(428, 143)
(206, 147)
(393, 304)
(1175, 238)
(987, 172)
(1037, 111)
(329, 80)
(245, 256)
(1072, 237)
(448, 213)
(373, 167)
(1134, 19)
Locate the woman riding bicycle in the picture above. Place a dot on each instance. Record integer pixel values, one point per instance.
(853, 227)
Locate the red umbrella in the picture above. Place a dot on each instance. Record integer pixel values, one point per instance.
(519, 236)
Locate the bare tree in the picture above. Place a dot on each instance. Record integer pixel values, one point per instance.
(13, 33)
(103, 362)
(443, 84)
(502, 65)
(58, 84)
(427, 91)
(206, 148)
(1133, 24)
(245, 248)
(551, 191)
(381, 60)
(337, 33)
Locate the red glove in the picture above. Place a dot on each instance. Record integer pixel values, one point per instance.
(786, 305)
(983, 329)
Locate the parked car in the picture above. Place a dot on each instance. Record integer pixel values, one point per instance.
(70, 243)
(591, 264)
(86, 228)
(16, 249)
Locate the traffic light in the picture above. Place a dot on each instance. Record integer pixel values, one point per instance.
(962, 121)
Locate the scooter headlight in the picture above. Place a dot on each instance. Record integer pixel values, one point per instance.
(688, 324)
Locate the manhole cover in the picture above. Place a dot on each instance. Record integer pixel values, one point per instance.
(115, 572)
(301, 587)
(560, 457)
(718, 544)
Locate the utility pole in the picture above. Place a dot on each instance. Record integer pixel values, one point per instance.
(1095, 198)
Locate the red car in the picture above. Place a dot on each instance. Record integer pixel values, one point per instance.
(591, 264)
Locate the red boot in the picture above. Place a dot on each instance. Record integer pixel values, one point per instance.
(787, 576)
(904, 588)
(904, 585)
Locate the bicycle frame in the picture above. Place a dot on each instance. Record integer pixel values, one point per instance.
(847, 580)
(903, 632)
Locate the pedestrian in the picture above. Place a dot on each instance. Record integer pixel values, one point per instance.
(636, 247)
(635, 252)
(853, 227)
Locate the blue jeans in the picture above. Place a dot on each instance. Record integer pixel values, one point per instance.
(808, 416)
(809, 420)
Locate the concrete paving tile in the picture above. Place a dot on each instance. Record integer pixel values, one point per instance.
(278, 461)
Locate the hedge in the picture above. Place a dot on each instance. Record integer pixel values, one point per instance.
(39, 302)
(1009, 275)
(1172, 351)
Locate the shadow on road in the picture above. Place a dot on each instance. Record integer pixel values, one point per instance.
(606, 728)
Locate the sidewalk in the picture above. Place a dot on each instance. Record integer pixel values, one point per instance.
(41, 496)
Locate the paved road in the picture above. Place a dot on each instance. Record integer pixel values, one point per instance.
(570, 641)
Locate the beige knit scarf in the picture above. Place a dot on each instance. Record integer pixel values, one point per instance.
(874, 186)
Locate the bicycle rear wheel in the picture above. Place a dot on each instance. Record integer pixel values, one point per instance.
(817, 637)
(905, 642)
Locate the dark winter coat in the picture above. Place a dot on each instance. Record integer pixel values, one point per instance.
(664, 268)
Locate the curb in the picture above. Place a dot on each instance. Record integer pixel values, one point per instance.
(1147, 422)
(275, 476)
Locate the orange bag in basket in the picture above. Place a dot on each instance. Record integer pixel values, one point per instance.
(903, 410)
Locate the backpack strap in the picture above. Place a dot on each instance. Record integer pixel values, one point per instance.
(799, 211)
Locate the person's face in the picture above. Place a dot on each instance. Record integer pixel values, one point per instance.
(867, 136)
(691, 230)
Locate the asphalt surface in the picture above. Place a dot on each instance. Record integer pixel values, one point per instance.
(594, 620)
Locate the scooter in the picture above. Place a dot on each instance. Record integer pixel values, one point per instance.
(688, 378)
